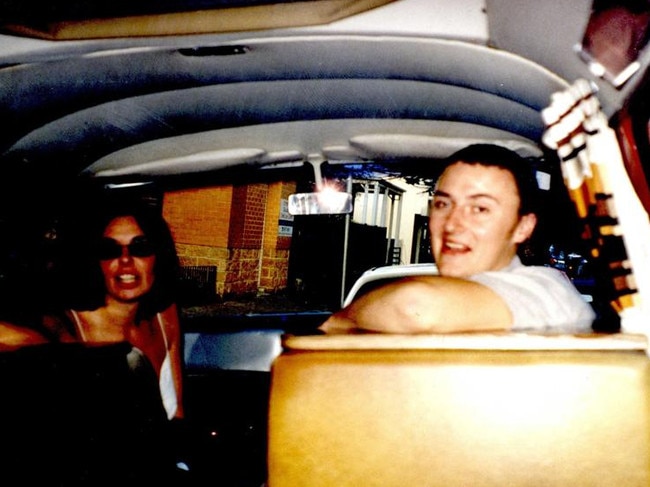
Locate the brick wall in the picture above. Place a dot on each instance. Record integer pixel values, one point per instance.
(199, 216)
(234, 229)
(275, 255)
(247, 221)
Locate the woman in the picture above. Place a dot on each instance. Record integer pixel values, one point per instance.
(118, 274)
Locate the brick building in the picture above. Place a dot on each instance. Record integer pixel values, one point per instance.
(241, 230)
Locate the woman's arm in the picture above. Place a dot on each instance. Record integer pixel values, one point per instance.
(14, 336)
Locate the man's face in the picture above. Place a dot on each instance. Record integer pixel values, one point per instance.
(474, 221)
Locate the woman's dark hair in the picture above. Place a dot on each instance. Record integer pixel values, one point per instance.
(81, 278)
(496, 156)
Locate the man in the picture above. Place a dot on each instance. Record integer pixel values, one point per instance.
(482, 210)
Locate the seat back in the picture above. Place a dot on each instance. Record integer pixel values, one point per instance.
(479, 410)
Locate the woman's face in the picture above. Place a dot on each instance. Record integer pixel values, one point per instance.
(127, 260)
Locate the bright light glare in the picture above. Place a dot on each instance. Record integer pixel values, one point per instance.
(332, 199)
(327, 201)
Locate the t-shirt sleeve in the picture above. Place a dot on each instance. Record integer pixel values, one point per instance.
(540, 299)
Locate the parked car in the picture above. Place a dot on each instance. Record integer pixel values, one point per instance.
(245, 115)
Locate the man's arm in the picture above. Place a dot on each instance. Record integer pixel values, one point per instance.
(424, 304)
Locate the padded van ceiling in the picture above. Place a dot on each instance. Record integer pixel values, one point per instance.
(69, 113)
(461, 69)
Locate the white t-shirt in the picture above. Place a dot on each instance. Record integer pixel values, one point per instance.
(540, 298)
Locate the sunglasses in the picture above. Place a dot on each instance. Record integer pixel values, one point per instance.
(139, 247)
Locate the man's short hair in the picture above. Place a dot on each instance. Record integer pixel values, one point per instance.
(521, 169)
